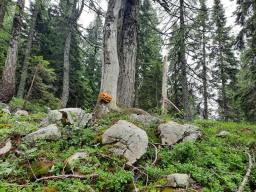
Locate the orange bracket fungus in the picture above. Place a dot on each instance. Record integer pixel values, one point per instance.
(104, 97)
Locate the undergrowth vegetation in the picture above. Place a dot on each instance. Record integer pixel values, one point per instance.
(215, 164)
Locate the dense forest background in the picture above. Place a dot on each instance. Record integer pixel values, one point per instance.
(48, 59)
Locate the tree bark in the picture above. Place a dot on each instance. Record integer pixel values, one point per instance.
(205, 93)
(2, 11)
(7, 89)
(24, 73)
(224, 109)
(128, 54)
(66, 70)
(72, 16)
(186, 104)
(110, 66)
(164, 86)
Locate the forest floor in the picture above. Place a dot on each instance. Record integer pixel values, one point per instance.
(216, 164)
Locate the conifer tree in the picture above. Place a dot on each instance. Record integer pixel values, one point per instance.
(175, 88)
(149, 65)
(24, 72)
(246, 41)
(225, 63)
(200, 46)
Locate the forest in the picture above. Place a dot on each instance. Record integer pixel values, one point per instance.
(128, 95)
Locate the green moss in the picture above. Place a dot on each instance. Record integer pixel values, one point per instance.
(167, 189)
(40, 168)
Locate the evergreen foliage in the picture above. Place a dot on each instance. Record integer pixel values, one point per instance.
(149, 65)
(246, 40)
(225, 62)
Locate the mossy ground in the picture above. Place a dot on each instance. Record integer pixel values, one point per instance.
(216, 164)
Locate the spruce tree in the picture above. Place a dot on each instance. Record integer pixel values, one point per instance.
(246, 41)
(200, 46)
(225, 63)
(149, 65)
(175, 87)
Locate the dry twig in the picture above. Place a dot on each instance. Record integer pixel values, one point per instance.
(156, 153)
(247, 175)
(94, 175)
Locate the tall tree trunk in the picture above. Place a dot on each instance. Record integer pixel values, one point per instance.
(73, 15)
(2, 11)
(110, 66)
(128, 54)
(24, 73)
(164, 86)
(66, 70)
(186, 104)
(205, 93)
(7, 88)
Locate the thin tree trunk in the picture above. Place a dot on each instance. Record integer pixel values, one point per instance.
(66, 70)
(31, 86)
(7, 88)
(24, 73)
(186, 104)
(2, 11)
(110, 66)
(128, 54)
(164, 86)
(224, 109)
(223, 92)
(205, 93)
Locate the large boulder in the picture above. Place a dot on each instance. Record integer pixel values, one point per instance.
(50, 132)
(192, 133)
(73, 116)
(145, 119)
(178, 180)
(126, 139)
(172, 133)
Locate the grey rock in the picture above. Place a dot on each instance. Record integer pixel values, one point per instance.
(145, 119)
(6, 148)
(178, 180)
(4, 106)
(172, 133)
(126, 139)
(20, 112)
(75, 116)
(76, 156)
(50, 132)
(193, 136)
(223, 134)
(191, 128)
(6, 110)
